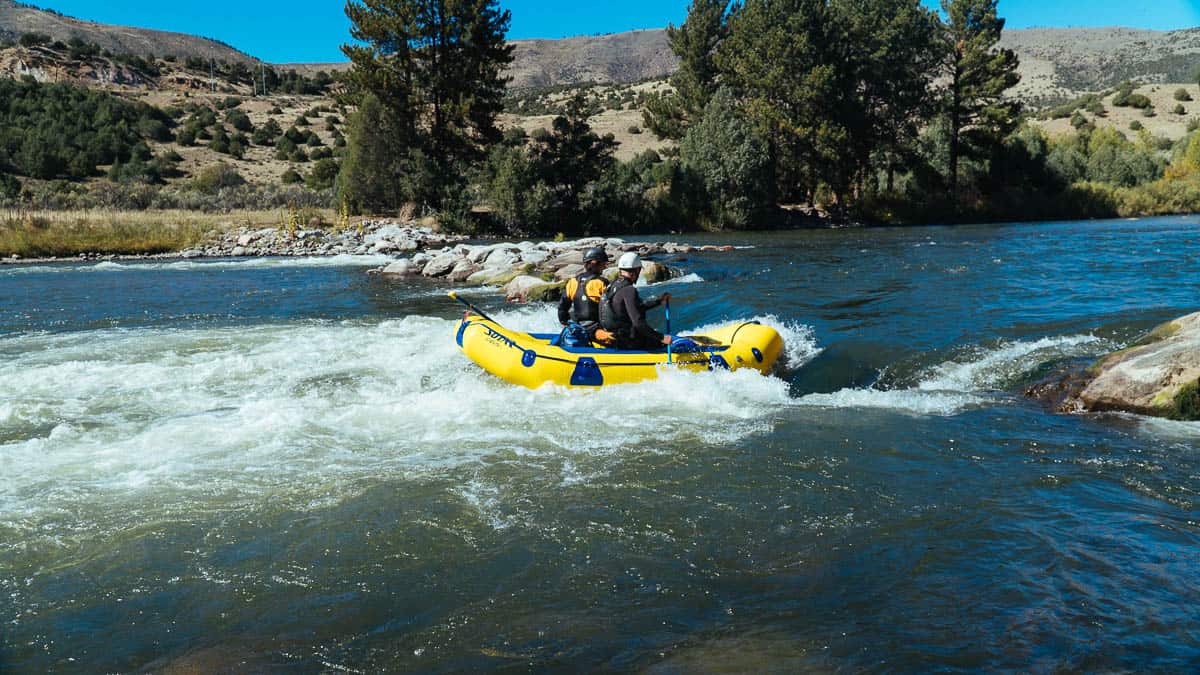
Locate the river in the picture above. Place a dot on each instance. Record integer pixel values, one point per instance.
(260, 465)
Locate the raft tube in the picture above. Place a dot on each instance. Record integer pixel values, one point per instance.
(534, 360)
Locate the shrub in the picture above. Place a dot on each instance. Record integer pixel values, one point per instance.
(1179, 109)
(1136, 125)
(1078, 120)
(239, 120)
(1149, 112)
(298, 155)
(301, 121)
(34, 39)
(290, 177)
(229, 103)
(1193, 124)
(215, 177)
(1182, 94)
(323, 173)
(635, 129)
(186, 136)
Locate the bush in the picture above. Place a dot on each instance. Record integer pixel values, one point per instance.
(239, 120)
(186, 136)
(1182, 94)
(1193, 124)
(1179, 109)
(298, 155)
(290, 177)
(1078, 120)
(34, 39)
(215, 177)
(322, 175)
(1149, 112)
(731, 161)
(635, 130)
(1136, 125)
(301, 121)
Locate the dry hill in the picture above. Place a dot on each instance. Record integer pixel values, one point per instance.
(17, 19)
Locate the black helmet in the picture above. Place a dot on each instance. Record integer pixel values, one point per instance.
(596, 253)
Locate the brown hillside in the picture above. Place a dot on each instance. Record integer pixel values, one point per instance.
(16, 20)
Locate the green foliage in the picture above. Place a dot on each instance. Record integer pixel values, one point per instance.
(1186, 403)
(291, 177)
(48, 130)
(323, 174)
(442, 89)
(695, 82)
(1179, 109)
(1182, 94)
(267, 132)
(979, 73)
(1136, 126)
(33, 39)
(216, 177)
(239, 120)
(10, 187)
(732, 163)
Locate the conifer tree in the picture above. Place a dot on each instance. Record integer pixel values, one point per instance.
(436, 68)
(977, 73)
(695, 43)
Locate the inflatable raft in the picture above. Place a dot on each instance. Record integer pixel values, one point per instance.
(533, 360)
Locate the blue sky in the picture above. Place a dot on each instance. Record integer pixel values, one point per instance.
(310, 30)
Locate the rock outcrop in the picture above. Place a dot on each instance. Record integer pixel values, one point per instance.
(1158, 376)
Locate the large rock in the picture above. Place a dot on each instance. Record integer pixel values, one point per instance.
(494, 277)
(654, 272)
(1159, 376)
(567, 272)
(462, 271)
(401, 268)
(532, 289)
(441, 265)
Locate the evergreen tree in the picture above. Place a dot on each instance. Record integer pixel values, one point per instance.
(436, 69)
(695, 43)
(977, 74)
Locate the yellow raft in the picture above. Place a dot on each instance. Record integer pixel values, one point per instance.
(533, 360)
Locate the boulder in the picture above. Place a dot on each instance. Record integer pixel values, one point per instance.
(654, 272)
(462, 271)
(1158, 376)
(534, 256)
(568, 258)
(441, 265)
(502, 258)
(565, 273)
(494, 277)
(517, 289)
(401, 268)
(239, 251)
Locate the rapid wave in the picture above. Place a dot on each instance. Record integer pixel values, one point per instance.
(115, 422)
(968, 381)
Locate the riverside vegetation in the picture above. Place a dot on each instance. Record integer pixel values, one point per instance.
(803, 111)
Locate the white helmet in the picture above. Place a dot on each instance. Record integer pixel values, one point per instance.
(630, 261)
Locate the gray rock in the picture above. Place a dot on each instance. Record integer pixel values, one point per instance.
(1159, 376)
(518, 289)
(534, 256)
(493, 277)
(462, 271)
(440, 265)
(502, 259)
(568, 272)
(401, 268)
(239, 251)
(247, 239)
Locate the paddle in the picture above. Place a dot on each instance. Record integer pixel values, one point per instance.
(667, 303)
(471, 307)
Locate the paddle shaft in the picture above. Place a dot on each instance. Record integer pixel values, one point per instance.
(667, 304)
(471, 307)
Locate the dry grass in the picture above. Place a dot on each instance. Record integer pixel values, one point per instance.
(39, 234)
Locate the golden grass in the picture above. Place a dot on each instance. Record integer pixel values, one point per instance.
(40, 234)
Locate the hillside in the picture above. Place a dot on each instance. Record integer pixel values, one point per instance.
(17, 19)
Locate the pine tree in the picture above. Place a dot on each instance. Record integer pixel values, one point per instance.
(436, 68)
(695, 43)
(978, 73)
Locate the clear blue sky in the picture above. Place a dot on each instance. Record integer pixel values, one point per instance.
(310, 30)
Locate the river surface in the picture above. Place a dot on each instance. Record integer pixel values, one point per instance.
(263, 465)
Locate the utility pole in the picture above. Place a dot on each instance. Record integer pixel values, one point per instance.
(212, 83)
(264, 77)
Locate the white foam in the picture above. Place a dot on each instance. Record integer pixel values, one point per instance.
(965, 383)
(119, 424)
(901, 400)
(991, 368)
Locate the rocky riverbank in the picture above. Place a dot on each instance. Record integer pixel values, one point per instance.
(1158, 376)
(526, 271)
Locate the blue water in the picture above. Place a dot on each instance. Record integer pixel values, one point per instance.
(286, 464)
